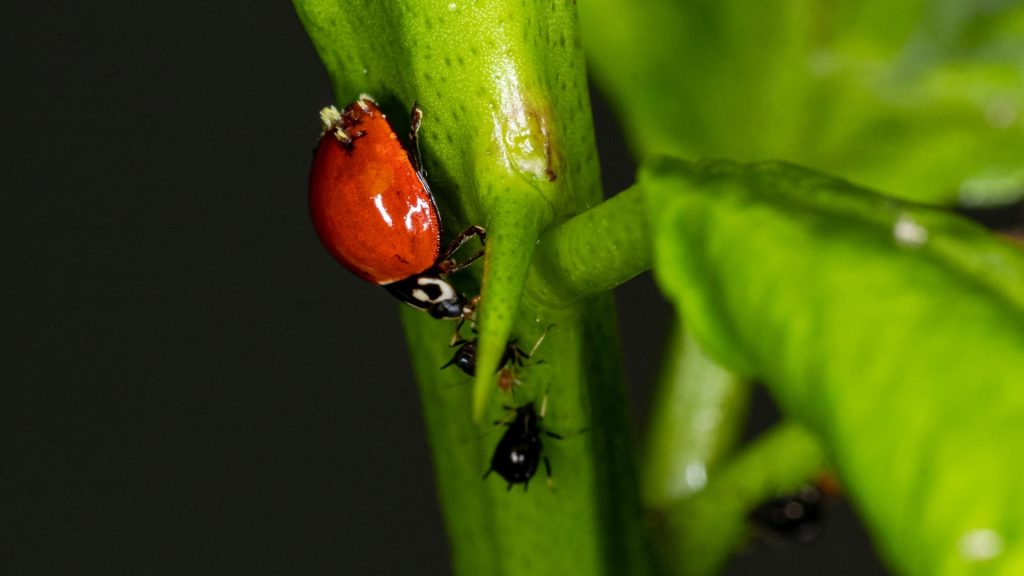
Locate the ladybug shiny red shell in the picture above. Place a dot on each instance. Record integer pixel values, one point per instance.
(371, 207)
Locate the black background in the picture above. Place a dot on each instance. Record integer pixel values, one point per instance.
(188, 383)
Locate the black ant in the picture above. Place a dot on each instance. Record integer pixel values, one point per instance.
(518, 453)
(465, 356)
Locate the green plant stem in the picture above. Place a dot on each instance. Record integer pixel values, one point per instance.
(697, 416)
(508, 143)
(592, 520)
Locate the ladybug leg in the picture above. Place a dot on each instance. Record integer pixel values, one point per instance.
(447, 265)
(415, 119)
(469, 313)
(547, 469)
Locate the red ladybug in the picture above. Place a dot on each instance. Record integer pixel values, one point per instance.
(374, 212)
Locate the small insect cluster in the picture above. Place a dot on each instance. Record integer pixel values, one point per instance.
(373, 210)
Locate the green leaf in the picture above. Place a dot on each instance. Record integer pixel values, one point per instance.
(921, 97)
(895, 332)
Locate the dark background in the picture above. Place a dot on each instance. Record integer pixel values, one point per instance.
(188, 383)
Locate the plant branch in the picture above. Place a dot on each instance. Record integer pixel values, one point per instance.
(594, 251)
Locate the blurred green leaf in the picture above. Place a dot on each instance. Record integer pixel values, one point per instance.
(894, 331)
(921, 97)
(701, 531)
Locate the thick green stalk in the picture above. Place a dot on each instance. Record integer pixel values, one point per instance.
(508, 144)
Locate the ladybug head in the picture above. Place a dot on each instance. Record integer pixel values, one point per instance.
(453, 307)
(431, 293)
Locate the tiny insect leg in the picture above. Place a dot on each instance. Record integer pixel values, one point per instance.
(539, 341)
(416, 117)
(447, 264)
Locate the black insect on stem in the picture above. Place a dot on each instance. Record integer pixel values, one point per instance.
(519, 452)
(465, 356)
